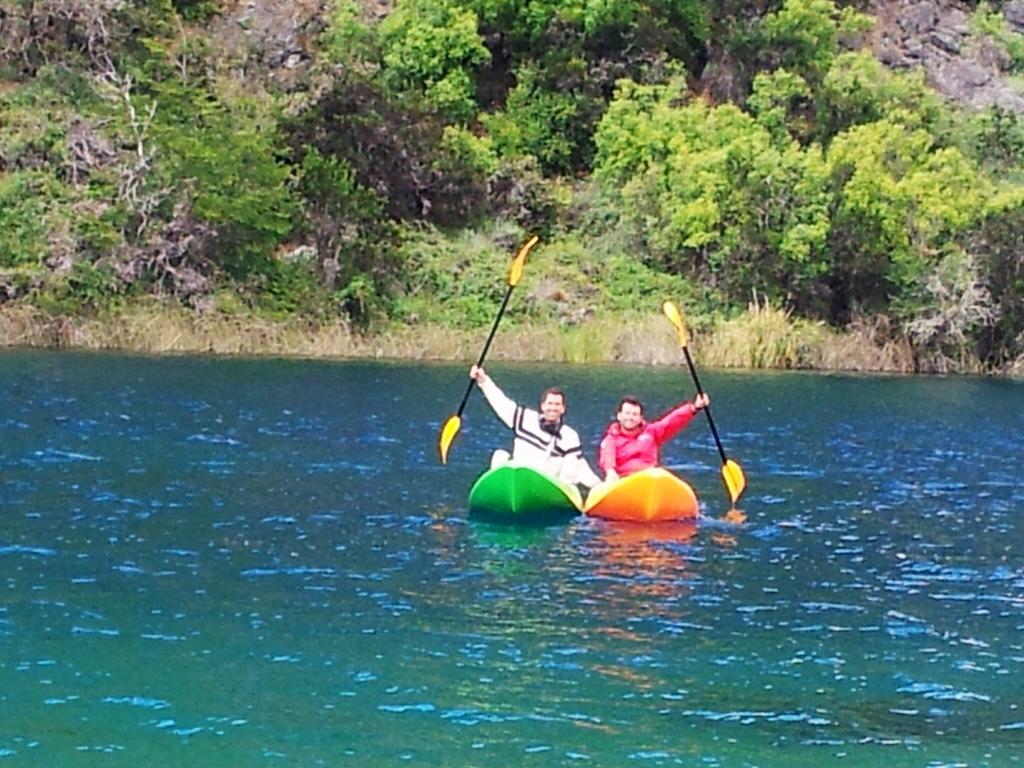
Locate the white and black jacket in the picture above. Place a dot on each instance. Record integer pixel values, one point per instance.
(559, 455)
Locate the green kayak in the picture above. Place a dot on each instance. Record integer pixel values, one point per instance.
(513, 493)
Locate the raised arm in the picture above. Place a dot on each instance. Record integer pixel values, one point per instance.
(504, 407)
(669, 425)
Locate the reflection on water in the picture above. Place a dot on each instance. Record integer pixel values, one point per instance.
(260, 562)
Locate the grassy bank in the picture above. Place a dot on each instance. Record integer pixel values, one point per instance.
(763, 337)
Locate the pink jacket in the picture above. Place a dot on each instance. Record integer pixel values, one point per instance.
(627, 454)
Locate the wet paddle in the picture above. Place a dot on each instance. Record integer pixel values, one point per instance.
(732, 474)
(451, 427)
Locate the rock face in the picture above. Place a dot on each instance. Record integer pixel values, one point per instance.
(935, 35)
(273, 39)
(276, 40)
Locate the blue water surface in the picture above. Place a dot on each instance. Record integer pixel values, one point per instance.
(262, 562)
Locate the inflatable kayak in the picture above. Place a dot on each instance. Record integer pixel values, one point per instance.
(513, 493)
(648, 496)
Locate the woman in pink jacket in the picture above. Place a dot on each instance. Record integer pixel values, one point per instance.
(631, 444)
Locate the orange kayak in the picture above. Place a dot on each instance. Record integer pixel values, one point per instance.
(648, 496)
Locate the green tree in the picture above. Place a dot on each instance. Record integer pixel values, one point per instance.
(713, 194)
(858, 89)
(899, 201)
(994, 140)
(226, 155)
(432, 47)
(30, 207)
(537, 122)
(997, 242)
(354, 241)
(781, 102)
(803, 36)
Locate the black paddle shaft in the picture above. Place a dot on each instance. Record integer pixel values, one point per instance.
(487, 346)
(707, 409)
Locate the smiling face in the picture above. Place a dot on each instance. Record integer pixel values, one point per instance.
(630, 416)
(552, 407)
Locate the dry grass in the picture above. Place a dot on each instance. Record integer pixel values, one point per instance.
(763, 337)
(645, 339)
(865, 346)
(157, 329)
(26, 327)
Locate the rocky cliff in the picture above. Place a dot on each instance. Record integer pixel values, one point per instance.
(935, 35)
(277, 37)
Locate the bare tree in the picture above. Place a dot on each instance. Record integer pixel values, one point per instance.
(133, 172)
(40, 31)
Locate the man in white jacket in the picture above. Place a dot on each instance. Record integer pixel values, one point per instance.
(542, 440)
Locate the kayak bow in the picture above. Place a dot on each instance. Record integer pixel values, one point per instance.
(515, 493)
(649, 496)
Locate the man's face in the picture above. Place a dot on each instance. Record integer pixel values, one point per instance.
(630, 416)
(552, 408)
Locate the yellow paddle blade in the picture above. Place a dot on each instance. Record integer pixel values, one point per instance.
(735, 482)
(448, 432)
(515, 272)
(676, 318)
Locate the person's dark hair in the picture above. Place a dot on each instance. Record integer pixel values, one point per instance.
(630, 400)
(552, 391)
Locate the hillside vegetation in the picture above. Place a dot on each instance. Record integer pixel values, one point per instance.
(336, 164)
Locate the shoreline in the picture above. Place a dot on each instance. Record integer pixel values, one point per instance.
(743, 344)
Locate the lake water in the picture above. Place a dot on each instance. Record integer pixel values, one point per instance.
(261, 562)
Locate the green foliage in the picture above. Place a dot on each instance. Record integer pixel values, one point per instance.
(803, 36)
(197, 10)
(33, 127)
(634, 135)
(97, 226)
(997, 243)
(523, 22)
(458, 283)
(431, 47)
(679, 25)
(858, 89)
(87, 289)
(629, 285)
(461, 148)
(29, 202)
(536, 122)
(994, 140)
(353, 241)
(836, 188)
(520, 193)
(712, 193)
(899, 200)
(422, 169)
(227, 156)
(463, 163)
(990, 23)
(93, 286)
(346, 39)
(779, 102)
(330, 183)
(287, 289)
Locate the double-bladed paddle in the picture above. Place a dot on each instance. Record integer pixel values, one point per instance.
(732, 474)
(451, 427)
